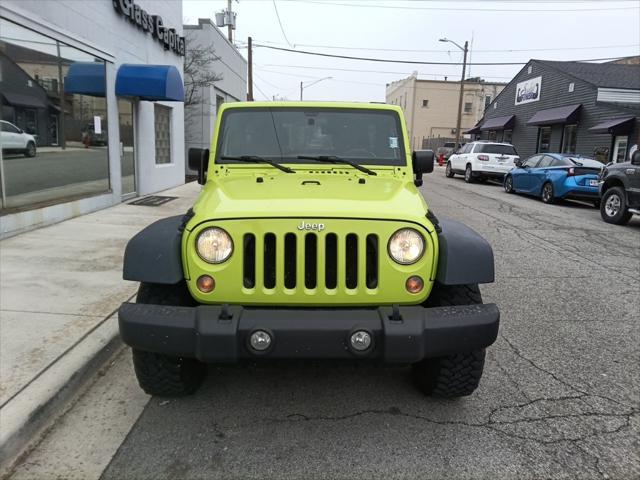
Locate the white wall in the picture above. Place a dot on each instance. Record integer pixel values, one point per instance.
(200, 118)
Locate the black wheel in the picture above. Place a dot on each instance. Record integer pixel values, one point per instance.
(455, 375)
(547, 193)
(448, 171)
(508, 184)
(164, 375)
(31, 150)
(468, 174)
(613, 207)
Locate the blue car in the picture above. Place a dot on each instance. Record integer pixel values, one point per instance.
(553, 176)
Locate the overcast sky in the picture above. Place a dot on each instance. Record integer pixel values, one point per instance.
(572, 30)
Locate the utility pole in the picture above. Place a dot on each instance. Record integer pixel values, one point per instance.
(250, 73)
(230, 26)
(464, 67)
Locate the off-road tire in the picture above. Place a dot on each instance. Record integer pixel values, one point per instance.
(621, 215)
(163, 375)
(468, 174)
(458, 374)
(508, 184)
(30, 151)
(166, 376)
(449, 173)
(547, 194)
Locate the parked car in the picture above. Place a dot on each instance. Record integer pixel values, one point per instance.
(90, 137)
(16, 140)
(553, 176)
(482, 160)
(447, 149)
(620, 191)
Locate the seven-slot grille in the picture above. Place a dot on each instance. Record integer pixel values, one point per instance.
(310, 260)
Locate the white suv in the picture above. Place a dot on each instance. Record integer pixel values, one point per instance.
(14, 139)
(482, 160)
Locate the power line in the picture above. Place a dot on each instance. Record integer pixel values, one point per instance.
(280, 23)
(466, 9)
(344, 47)
(413, 62)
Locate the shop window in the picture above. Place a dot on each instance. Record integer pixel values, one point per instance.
(544, 139)
(468, 106)
(61, 150)
(163, 134)
(425, 103)
(569, 138)
(507, 136)
(493, 135)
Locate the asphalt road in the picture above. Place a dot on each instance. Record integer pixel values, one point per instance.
(559, 397)
(57, 169)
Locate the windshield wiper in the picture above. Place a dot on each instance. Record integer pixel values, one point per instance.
(257, 159)
(334, 159)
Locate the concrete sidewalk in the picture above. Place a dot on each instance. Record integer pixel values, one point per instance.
(59, 289)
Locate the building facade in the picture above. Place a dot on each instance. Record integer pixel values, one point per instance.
(571, 107)
(98, 87)
(431, 106)
(230, 71)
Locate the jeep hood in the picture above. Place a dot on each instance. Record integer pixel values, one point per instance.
(331, 193)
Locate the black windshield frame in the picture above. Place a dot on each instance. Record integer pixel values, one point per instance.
(400, 161)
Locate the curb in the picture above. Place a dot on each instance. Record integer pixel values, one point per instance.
(26, 416)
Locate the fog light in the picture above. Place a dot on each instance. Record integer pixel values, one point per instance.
(414, 284)
(260, 340)
(206, 283)
(360, 340)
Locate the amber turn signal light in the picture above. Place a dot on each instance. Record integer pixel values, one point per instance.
(414, 284)
(206, 283)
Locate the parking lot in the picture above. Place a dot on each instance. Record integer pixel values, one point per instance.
(559, 397)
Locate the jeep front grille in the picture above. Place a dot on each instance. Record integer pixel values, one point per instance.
(310, 260)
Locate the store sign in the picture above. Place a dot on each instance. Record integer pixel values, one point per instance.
(152, 24)
(528, 91)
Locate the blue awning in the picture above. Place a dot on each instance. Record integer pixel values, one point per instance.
(85, 78)
(150, 82)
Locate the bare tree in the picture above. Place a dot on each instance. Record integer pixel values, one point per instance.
(198, 70)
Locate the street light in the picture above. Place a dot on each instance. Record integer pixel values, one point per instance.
(312, 83)
(464, 67)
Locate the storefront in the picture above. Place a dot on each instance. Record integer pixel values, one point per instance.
(570, 107)
(91, 106)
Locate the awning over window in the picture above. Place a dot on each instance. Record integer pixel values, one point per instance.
(498, 123)
(150, 82)
(473, 131)
(551, 116)
(85, 78)
(21, 100)
(614, 126)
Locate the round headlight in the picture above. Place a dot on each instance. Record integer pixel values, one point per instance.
(214, 245)
(406, 246)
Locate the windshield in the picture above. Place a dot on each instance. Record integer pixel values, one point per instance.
(495, 148)
(369, 137)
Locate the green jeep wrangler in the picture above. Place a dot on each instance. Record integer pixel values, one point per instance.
(309, 240)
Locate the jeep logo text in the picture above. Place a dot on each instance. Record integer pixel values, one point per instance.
(318, 227)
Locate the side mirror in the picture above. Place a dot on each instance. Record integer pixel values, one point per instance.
(635, 159)
(422, 163)
(199, 161)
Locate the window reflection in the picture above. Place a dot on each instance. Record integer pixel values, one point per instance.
(60, 150)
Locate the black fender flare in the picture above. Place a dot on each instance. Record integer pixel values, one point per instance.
(464, 256)
(154, 254)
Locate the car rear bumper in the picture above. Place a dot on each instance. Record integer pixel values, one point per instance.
(211, 334)
(580, 192)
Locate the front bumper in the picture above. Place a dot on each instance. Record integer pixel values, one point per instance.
(211, 334)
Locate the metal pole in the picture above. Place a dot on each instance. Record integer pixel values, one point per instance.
(300, 91)
(464, 67)
(62, 137)
(229, 27)
(250, 79)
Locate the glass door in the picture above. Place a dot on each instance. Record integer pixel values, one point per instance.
(127, 148)
(619, 148)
